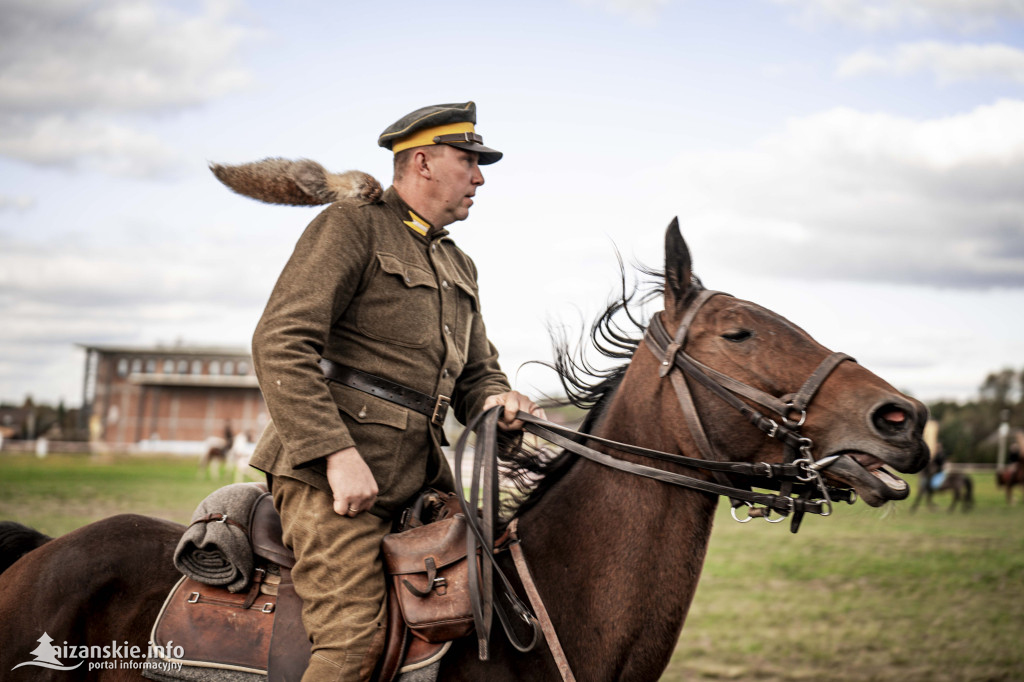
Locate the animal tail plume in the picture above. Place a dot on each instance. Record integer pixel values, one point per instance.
(296, 183)
(16, 541)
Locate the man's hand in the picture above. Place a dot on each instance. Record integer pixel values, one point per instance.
(514, 402)
(352, 484)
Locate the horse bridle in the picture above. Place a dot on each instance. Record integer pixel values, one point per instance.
(790, 409)
(799, 474)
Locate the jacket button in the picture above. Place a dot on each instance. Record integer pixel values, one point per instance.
(445, 374)
(447, 329)
(445, 284)
(362, 413)
(408, 279)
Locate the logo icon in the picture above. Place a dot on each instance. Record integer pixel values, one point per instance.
(46, 656)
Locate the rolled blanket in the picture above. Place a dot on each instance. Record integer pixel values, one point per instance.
(215, 549)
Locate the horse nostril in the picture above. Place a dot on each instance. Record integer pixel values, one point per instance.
(891, 418)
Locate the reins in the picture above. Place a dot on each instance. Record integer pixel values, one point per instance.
(797, 479)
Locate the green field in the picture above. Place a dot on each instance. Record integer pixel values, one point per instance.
(864, 595)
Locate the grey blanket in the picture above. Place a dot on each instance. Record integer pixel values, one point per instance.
(216, 552)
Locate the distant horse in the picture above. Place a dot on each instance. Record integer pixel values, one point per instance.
(1010, 476)
(615, 557)
(933, 480)
(215, 455)
(238, 458)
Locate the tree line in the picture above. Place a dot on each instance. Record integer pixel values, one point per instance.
(968, 431)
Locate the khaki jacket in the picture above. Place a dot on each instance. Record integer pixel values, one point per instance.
(365, 289)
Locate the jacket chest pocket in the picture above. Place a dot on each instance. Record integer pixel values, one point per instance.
(400, 305)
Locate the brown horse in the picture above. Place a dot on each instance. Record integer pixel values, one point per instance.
(615, 557)
(1010, 476)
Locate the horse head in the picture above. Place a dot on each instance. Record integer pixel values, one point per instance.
(856, 426)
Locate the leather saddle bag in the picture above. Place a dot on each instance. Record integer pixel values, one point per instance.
(430, 576)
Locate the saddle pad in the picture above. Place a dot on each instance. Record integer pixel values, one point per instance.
(214, 629)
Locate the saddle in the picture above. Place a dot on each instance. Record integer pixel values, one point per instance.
(261, 631)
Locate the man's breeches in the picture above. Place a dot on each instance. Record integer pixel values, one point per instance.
(340, 577)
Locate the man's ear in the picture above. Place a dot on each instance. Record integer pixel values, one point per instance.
(421, 163)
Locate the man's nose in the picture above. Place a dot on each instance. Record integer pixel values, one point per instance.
(478, 176)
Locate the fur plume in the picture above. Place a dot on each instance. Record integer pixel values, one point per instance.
(297, 183)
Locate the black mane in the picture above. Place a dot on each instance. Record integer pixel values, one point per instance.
(529, 471)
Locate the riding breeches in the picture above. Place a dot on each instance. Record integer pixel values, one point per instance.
(339, 575)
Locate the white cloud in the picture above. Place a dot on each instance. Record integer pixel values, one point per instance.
(871, 197)
(874, 15)
(19, 203)
(948, 63)
(55, 296)
(115, 56)
(642, 10)
(136, 280)
(91, 142)
(76, 75)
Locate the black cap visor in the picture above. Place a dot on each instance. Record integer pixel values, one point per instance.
(471, 142)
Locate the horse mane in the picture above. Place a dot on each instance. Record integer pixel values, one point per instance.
(529, 470)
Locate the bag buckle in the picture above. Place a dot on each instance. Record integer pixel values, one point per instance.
(440, 410)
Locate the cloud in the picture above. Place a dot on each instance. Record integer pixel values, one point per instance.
(640, 10)
(876, 15)
(848, 195)
(947, 63)
(77, 78)
(54, 296)
(137, 280)
(19, 203)
(89, 142)
(120, 55)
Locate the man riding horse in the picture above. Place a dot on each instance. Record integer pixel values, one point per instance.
(372, 330)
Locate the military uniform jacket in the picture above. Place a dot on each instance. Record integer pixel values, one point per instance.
(375, 287)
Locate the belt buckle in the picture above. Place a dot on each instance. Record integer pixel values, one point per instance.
(440, 410)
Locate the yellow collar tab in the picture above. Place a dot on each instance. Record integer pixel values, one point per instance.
(417, 224)
(425, 137)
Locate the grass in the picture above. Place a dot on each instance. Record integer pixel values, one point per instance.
(865, 595)
(62, 492)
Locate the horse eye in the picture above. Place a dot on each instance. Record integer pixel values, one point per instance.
(737, 335)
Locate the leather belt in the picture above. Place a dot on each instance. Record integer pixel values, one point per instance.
(435, 408)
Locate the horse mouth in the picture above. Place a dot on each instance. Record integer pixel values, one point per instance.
(868, 475)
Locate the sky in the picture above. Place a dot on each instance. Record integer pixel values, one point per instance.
(855, 165)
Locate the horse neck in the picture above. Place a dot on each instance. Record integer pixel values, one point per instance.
(615, 556)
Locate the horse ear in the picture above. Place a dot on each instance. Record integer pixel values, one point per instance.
(297, 183)
(678, 267)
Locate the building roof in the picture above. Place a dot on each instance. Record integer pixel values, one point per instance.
(161, 349)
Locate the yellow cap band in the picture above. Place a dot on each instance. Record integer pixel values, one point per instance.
(426, 137)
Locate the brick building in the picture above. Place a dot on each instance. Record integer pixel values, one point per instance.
(169, 398)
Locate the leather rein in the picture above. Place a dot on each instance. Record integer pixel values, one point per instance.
(798, 475)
